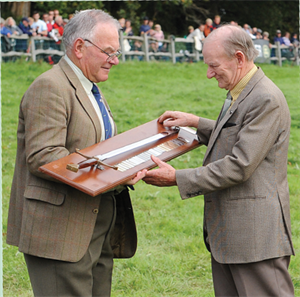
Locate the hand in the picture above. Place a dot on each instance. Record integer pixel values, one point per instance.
(140, 175)
(177, 118)
(164, 176)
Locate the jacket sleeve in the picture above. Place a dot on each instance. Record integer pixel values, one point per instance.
(45, 117)
(247, 148)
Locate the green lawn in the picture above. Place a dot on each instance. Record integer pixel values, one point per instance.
(171, 258)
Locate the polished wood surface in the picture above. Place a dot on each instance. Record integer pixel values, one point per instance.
(94, 181)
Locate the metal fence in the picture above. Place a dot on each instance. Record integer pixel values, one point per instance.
(174, 49)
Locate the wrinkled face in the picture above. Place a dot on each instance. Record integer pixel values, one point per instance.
(93, 62)
(223, 69)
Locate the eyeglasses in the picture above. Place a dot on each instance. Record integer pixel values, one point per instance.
(110, 56)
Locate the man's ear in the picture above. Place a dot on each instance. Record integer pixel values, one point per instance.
(241, 59)
(79, 48)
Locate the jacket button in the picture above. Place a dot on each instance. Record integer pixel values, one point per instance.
(95, 210)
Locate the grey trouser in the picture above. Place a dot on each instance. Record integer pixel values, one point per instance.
(259, 279)
(91, 276)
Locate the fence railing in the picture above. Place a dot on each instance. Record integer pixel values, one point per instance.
(174, 49)
(30, 47)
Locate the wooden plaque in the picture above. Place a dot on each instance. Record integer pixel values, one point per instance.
(94, 181)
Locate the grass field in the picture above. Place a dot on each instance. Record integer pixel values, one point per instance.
(171, 258)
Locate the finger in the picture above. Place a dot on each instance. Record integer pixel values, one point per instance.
(140, 175)
(166, 115)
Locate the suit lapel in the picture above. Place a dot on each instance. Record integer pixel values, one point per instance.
(81, 96)
(217, 129)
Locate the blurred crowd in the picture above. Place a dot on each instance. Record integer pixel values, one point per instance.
(256, 33)
(51, 24)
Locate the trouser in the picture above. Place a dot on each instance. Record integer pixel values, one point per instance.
(91, 276)
(259, 279)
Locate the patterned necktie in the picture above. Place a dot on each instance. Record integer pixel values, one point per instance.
(105, 116)
(226, 106)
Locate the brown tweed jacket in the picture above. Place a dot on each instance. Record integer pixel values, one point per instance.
(46, 218)
(244, 177)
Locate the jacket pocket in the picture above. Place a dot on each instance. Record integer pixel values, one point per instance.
(44, 194)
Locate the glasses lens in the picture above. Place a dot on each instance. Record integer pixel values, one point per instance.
(113, 56)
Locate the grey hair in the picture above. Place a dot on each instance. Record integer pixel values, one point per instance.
(83, 23)
(236, 40)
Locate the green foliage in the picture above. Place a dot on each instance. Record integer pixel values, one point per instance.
(171, 259)
(175, 16)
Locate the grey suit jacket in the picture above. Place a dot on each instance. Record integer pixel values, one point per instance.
(244, 177)
(46, 218)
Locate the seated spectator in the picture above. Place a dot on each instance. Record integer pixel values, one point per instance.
(278, 37)
(137, 47)
(4, 30)
(145, 28)
(56, 13)
(257, 32)
(286, 39)
(151, 32)
(48, 20)
(159, 35)
(58, 29)
(265, 36)
(10, 24)
(58, 25)
(39, 25)
(199, 32)
(294, 40)
(128, 29)
(190, 31)
(25, 27)
(217, 22)
(208, 27)
(248, 30)
(122, 24)
(199, 35)
(31, 21)
(51, 17)
(5, 41)
(65, 21)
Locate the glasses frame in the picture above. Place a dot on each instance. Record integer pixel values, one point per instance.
(110, 57)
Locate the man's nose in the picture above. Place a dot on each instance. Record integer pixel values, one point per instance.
(210, 73)
(115, 61)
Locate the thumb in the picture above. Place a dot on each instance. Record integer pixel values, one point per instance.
(158, 162)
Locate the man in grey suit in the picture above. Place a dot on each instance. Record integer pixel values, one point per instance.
(243, 179)
(68, 238)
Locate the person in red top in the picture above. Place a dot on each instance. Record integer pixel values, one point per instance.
(208, 27)
(58, 25)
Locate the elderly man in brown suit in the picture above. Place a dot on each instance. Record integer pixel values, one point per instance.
(243, 179)
(67, 237)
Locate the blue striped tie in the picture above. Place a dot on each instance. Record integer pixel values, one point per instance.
(105, 116)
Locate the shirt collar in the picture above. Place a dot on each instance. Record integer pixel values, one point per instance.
(86, 83)
(237, 90)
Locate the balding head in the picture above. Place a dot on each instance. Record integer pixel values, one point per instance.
(231, 39)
